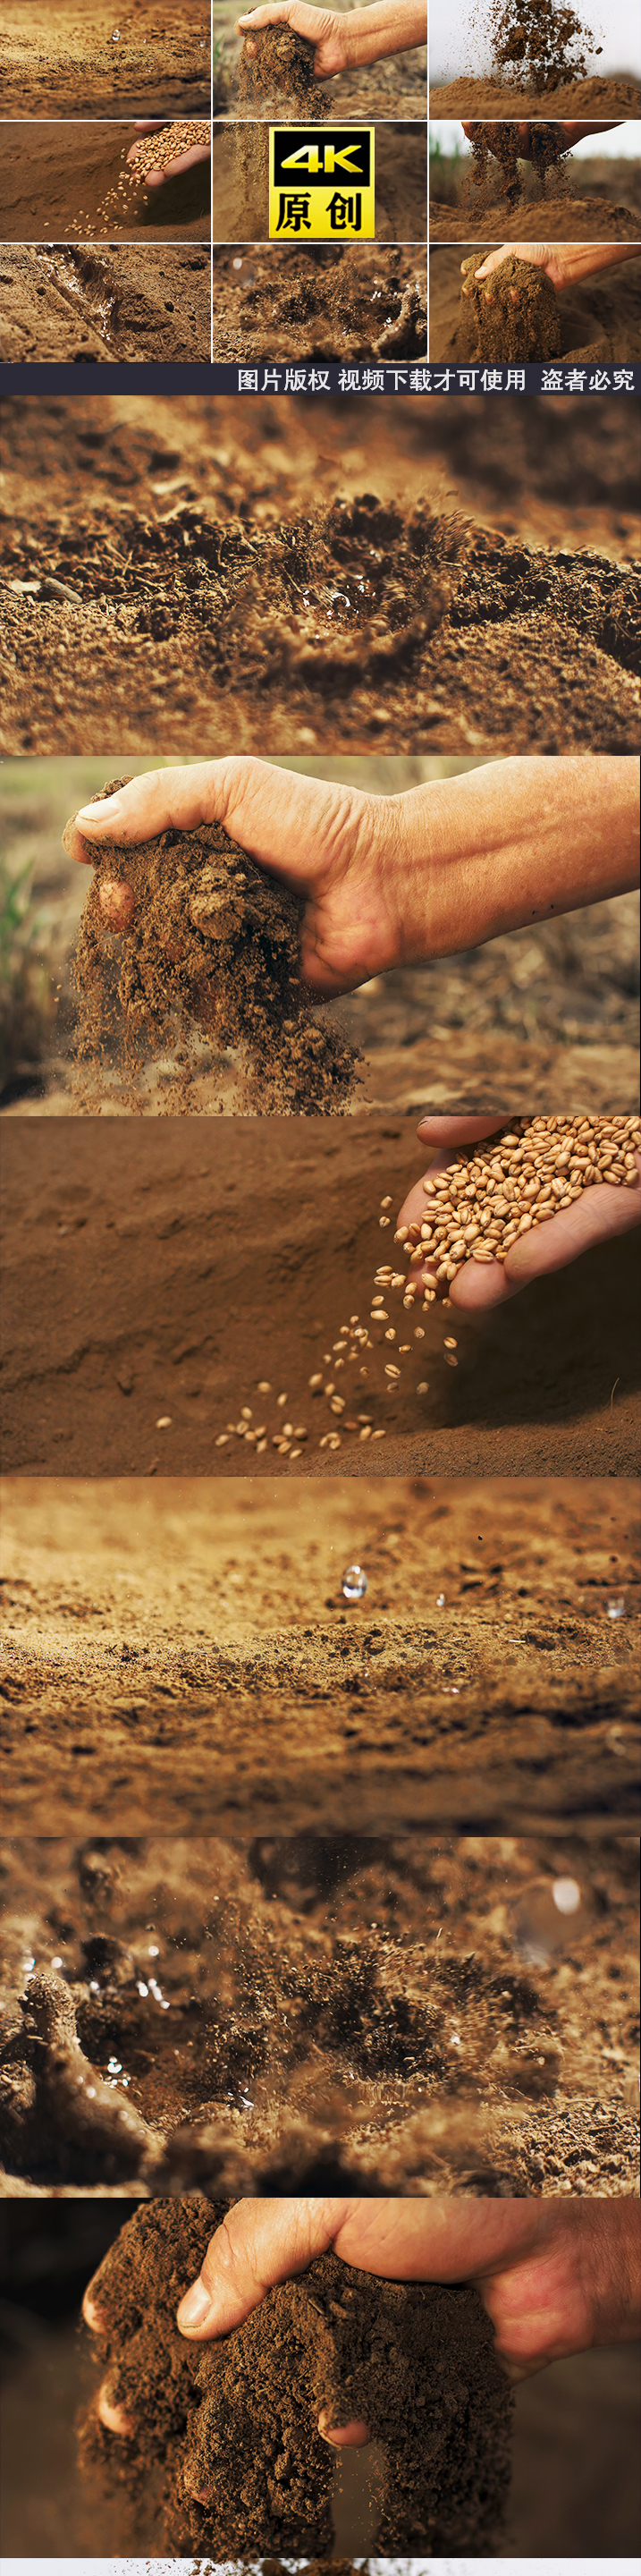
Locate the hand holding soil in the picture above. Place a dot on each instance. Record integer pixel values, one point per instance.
(563, 267)
(595, 1216)
(393, 880)
(569, 129)
(156, 174)
(554, 2281)
(361, 36)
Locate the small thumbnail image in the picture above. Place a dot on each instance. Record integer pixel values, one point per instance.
(528, 58)
(72, 61)
(381, 197)
(329, 300)
(93, 182)
(512, 182)
(350, 62)
(105, 301)
(536, 300)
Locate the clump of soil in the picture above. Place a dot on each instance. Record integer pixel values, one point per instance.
(321, 300)
(415, 2362)
(211, 946)
(543, 43)
(280, 66)
(500, 327)
(491, 142)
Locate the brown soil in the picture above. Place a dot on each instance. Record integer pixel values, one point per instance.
(211, 946)
(517, 1022)
(446, 629)
(596, 322)
(73, 184)
(278, 76)
(393, 87)
(241, 187)
(76, 70)
(561, 218)
(512, 316)
(129, 1257)
(82, 303)
(617, 99)
(501, 144)
(380, 2014)
(323, 301)
(547, 43)
(241, 2416)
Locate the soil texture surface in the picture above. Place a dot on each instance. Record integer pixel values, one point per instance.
(593, 99)
(240, 183)
(186, 1263)
(74, 183)
(180, 2014)
(279, 84)
(323, 301)
(209, 943)
(237, 2421)
(510, 1026)
(81, 303)
(184, 1658)
(597, 321)
(195, 561)
(508, 199)
(73, 66)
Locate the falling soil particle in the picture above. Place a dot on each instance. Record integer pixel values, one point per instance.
(416, 2363)
(278, 70)
(211, 941)
(512, 314)
(412, 2014)
(320, 301)
(544, 43)
(501, 143)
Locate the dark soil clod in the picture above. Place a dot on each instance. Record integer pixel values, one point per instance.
(416, 2363)
(280, 67)
(510, 314)
(211, 949)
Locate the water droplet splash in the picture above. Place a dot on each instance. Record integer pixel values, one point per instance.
(567, 1895)
(616, 1609)
(116, 36)
(353, 1583)
(440, 1600)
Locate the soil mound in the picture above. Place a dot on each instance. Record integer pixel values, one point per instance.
(512, 314)
(240, 2418)
(210, 940)
(280, 68)
(495, 96)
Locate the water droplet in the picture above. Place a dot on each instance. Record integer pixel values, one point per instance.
(56, 1963)
(353, 1583)
(153, 1951)
(94, 1988)
(114, 2066)
(116, 36)
(440, 1600)
(566, 1894)
(143, 1990)
(616, 1609)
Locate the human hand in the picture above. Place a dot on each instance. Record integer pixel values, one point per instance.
(325, 29)
(554, 2279)
(156, 178)
(333, 844)
(595, 1217)
(571, 131)
(565, 266)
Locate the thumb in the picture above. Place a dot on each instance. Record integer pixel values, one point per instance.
(258, 2245)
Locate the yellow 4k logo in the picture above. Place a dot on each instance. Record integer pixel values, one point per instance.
(321, 183)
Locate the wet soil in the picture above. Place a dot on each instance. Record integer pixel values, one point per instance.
(240, 2418)
(211, 945)
(182, 1658)
(451, 634)
(514, 1024)
(490, 97)
(82, 303)
(513, 316)
(241, 183)
(72, 67)
(417, 2014)
(72, 184)
(323, 302)
(179, 1262)
(597, 321)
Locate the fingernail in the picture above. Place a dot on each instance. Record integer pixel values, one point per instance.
(195, 2306)
(99, 813)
